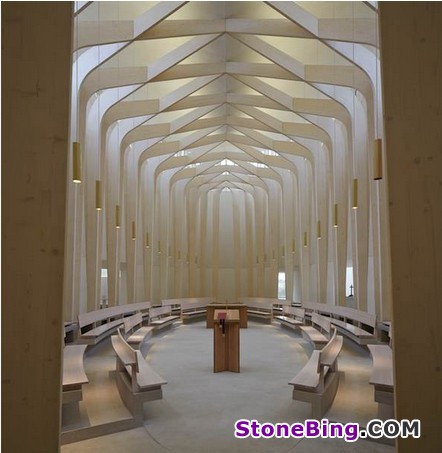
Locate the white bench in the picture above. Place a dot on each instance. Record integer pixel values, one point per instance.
(97, 325)
(318, 381)
(319, 332)
(160, 317)
(382, 374)
(174, 304)
(134, 331)
(292, 317)
(195, 309)
(136, 380)
(359, 326)
(74, 375)
(279, 304)
(259, 307)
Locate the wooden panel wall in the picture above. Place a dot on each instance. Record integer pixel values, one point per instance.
(411, 46)
(36, 57)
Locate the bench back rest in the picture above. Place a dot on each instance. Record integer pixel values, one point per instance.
(126, 354)
(85, 319)
(185, 301)
(293, 311)
(132, 321)
(159, 311)
(194, 305)
(322, 322)
(329, 353)
(259, 302)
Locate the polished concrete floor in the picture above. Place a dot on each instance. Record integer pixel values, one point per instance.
(199, 408)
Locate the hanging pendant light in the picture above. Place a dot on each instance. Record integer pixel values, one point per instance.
(147, 241)
(76, 162)
(335, 216)
(354, 204)
(133, 231)
(293, 246)
(305, 239)
(319, 229)
(98, 196)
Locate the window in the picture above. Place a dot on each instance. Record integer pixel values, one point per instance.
(269, 152)
(349, 285)
(258, 165)
(281, 285)
(227, 162)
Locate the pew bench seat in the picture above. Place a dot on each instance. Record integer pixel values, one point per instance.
(134, 331)
(382, 373)
(319, 332)
(291, 317)
(74, 375)
(193, 310)
(161, 317)
(356, 333)
(96, 334)
(318, 381)
(137, 381)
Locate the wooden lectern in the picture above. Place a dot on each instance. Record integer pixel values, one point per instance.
(226, 341)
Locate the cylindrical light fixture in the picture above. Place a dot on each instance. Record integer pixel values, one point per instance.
(147, 241)
(305, 239)
(293, 246)
(196, 260)
(273, 254)
(159, 247)
(169, 251)
(98, 196)
(319, 229)
(117, 216)
(76, 162)
(179, 254)
(133, 231)
(335, 216)
(377, 162)
(257, 259)
(354, 204)
(283, 251)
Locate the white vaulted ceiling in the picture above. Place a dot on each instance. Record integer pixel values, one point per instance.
(226, 132)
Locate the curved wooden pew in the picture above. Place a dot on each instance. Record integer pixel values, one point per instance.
(134, 331)
(137, 382)
(259, 307)
(160, 317)
(319, 332)
(74, 375)
(97, 325)
(292, 317)
(318, 381)
(359, 326)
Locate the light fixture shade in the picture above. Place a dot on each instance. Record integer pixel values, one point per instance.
(257, 259)
(196, 260)
(283, 251)
(169, 251)
(335, 216)
(159, 247)
(117, 216)
(354, 204)
(305, 239)
(179, 254)
(133, 231)
(98, 196)
(377, 163)
(76, 162)
(319, 229)
(273, 254)
(293, 246)
(147, 241)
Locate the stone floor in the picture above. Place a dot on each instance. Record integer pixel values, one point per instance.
(199, 408)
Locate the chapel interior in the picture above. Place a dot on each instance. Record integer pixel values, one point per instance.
(216, 211)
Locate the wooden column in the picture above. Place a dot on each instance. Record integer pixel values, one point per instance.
(36, 54)
(411, 46)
